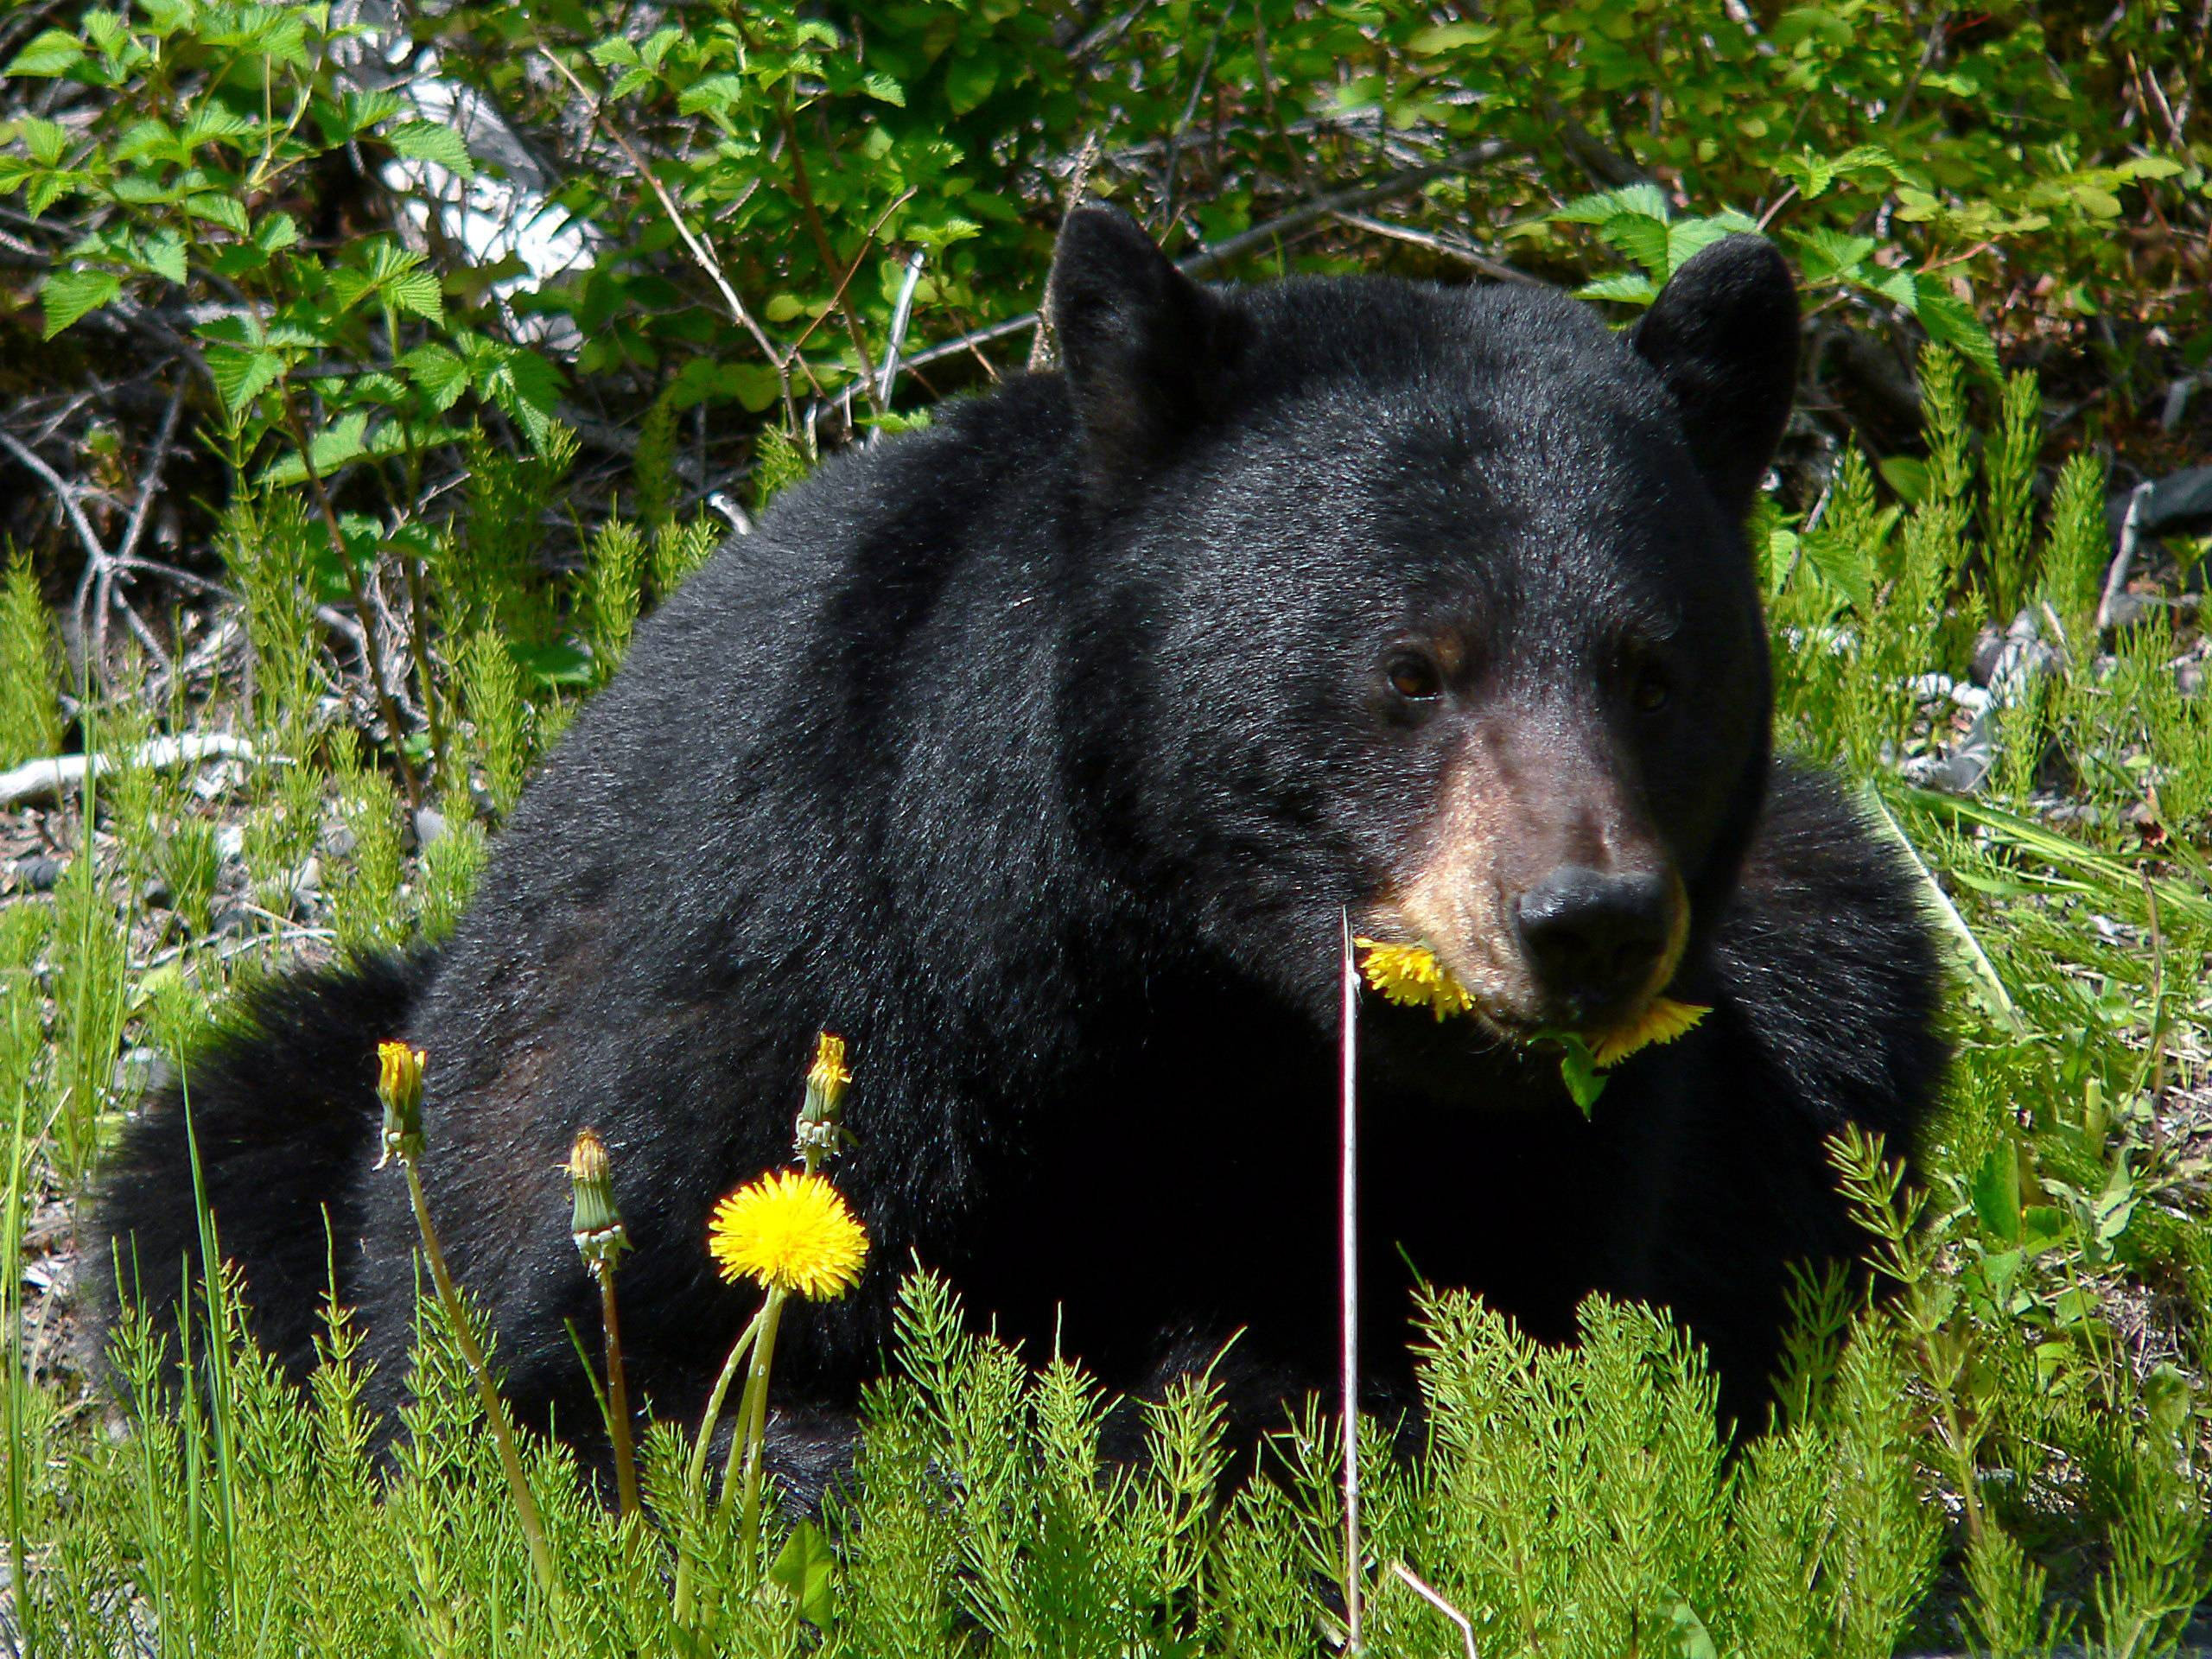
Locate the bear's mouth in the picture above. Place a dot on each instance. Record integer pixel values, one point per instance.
(1506, 999)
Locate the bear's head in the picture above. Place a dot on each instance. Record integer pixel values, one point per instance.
(1433, 604)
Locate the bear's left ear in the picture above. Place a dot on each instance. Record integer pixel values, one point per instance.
(1723, 335)
(1145, 348)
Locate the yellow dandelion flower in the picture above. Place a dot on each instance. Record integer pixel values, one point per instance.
(1663, 1021)
(789, 1230)
(1411, 976)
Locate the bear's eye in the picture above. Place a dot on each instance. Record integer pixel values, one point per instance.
(1649, 689)
(1413, 675)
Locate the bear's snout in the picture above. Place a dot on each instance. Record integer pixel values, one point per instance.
(1595, 940)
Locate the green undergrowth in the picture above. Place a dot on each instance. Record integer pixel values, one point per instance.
(2008, 1454)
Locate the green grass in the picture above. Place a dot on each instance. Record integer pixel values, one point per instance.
(2011, 1454)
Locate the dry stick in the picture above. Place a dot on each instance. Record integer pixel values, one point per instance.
(1348, 1243)
(541, 1559)
(1467, 1625)
(418, 606)
(96, 554)
(699, 251)
(2123, 562)
(902, 314)
(1349, 200)
(1467, 256)
(372, 652)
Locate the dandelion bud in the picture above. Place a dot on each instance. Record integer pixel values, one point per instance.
(826, 1081)
(595, 1223)
(399, 1086)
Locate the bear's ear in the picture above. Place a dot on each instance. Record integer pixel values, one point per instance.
(1143, 346)
(1723, 335)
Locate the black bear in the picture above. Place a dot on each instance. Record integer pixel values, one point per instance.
(1039, 753)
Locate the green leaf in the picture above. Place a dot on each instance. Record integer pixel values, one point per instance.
(163, 255)
(1686, 237)
(211, 124)
(1995, 1190)
(559, 664)
(54, 53)
(1629, 287)
(969, 81)
(1845, 563)
(1578, 1069)
(48, 141)
(1643, 238)
(1951, 321)
(68, 294)
(713, 94)
(884, 89)
(219, 208)
(1829, 253)
(416, 291)
(1648, 199)
(807, 1568)
(441, 374)
(1449, 37)
(429, 140)
(241, 376)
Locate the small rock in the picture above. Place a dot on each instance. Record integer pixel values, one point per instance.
(429, 825)
(230, 841)
(233, 921)
(138, 1070)
(337, 840)
(2190, 678)
(38, 873)
(308, 877)
(155, 893)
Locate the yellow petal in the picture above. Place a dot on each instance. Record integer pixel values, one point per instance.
(1663, 1021)
(1411, 976)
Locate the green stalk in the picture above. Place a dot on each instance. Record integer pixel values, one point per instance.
(495, 1409)
(18, 1453)
(752, 1423)
(695, 1475)
(617, 1397)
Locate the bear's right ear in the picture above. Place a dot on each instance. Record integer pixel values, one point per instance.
(1723, 334)
(1144, 348)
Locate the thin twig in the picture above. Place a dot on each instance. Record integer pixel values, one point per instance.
(1346, 201)
(150, 479)
(803, 187)
(372, 652)
(699, 250)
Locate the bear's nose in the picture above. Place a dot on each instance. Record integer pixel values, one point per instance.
(1593, 939)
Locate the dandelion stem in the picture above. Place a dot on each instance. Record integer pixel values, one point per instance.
(695, 1475)
(752, 1423)
(541, 1559)
(618, 1396)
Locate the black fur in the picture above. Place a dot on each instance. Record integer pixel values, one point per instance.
(1037, 753)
